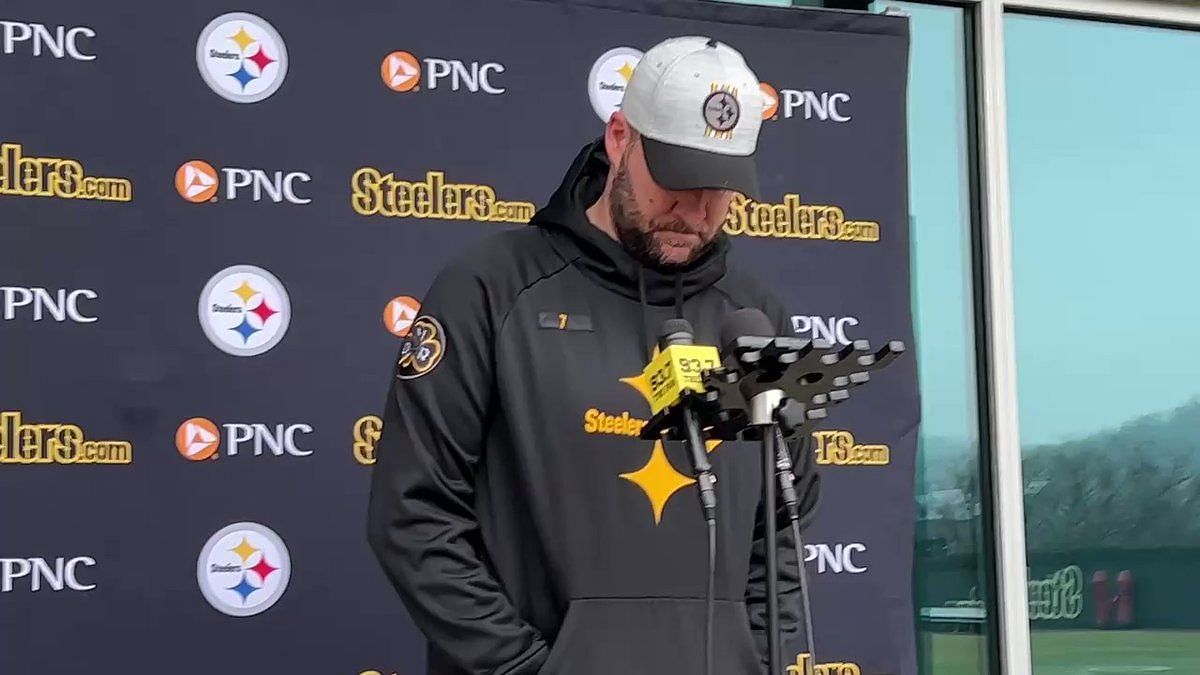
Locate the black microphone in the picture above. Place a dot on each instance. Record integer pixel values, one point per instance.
(748, 330)
(745, 322)
(675, 335)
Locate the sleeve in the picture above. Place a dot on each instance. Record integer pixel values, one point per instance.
(421, 519)
(808, 489)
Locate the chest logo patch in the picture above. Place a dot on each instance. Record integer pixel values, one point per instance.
(658, 478)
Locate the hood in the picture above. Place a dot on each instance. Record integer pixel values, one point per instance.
(601, 257)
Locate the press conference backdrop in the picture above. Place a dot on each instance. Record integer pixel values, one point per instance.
(205, 271)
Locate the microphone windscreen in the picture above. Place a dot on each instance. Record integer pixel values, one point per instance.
(675, 331)
(744, 322)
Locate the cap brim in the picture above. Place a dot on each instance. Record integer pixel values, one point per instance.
(675, 167)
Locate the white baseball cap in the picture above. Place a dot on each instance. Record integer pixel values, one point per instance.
(698, 108)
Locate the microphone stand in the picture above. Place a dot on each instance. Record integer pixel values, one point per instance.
(762, 416)
(774, 649)
(771, 389)
(786, 386)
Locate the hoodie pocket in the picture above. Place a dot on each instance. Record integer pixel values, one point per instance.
(650, 636)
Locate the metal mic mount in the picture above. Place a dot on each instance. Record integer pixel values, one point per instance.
(812, 375)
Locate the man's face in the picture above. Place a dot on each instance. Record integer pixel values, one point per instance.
(666, 228)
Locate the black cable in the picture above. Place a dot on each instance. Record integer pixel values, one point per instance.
(783, 464)
(808, 627)
(709, 601)
(774, 651)
(706, 482)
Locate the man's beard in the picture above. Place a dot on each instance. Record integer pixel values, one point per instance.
(638, 241)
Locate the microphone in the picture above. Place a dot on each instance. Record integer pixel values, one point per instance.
(745, 322)
(676, 382)
(679, 365)
(750, 329)
(744, 330)
(675, 378)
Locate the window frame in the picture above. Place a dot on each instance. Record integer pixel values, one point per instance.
(998, 348)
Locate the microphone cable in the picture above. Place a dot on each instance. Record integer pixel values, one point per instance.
(708, 598)
(787, 485)
(706, 482)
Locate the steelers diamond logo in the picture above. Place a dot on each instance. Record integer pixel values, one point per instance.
(241, 57)
(243, 569)
(721, 111)
(608, 79)
(244, 310)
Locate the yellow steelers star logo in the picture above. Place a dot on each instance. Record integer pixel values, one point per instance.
(244, 549)
(639, 383)
(245, 292)
(626, 71)
(242, 38)
(658, 478)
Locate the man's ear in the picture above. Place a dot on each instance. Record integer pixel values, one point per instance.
(617, 137)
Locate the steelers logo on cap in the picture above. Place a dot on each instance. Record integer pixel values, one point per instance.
(721, 111)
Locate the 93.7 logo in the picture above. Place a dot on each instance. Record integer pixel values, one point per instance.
(695, 366)
(422, 349)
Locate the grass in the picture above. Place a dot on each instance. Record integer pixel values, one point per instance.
(1080, 652)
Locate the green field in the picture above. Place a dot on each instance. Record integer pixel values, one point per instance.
(1081, 652)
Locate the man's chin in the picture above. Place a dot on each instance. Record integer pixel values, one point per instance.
(674, 250)
(676, 256)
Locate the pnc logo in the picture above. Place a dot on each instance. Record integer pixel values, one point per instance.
(837, 559)
(400, 71)
(56, 574)
(824, 106)
(197, 181)
(770, 101)
(403, 72)
(400, 313)
(198, 439)
(58, 41)
(832, 329)
(61, 305)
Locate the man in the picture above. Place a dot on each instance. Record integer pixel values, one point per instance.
(524, 524)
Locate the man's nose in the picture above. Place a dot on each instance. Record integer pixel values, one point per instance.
(691, 205)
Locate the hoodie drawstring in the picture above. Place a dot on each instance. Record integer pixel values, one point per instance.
(646, 336)
(679, 296)
(649, 337)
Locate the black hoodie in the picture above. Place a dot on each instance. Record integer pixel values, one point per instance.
(523, 523)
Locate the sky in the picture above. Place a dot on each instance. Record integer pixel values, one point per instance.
(1104, 152)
